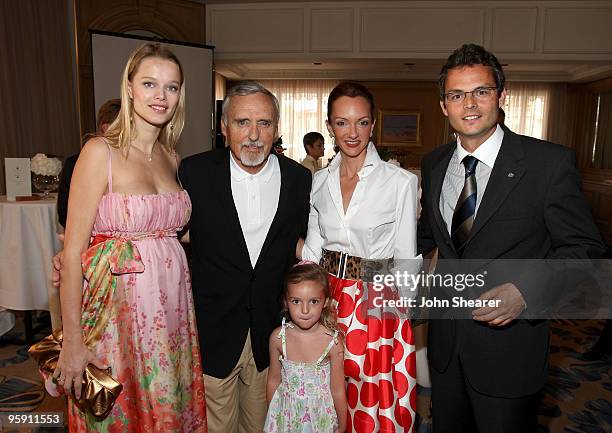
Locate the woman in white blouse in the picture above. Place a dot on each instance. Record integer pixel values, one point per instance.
(364, 209)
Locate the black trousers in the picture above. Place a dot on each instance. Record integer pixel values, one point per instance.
(458, 408)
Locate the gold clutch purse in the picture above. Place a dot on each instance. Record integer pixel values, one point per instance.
(100, 389)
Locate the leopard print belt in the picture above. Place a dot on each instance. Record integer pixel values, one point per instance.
(347, 267)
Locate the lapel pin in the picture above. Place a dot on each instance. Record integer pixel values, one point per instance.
(511, 174)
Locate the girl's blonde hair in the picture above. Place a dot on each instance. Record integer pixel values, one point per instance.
(121, 132)
(312, 272)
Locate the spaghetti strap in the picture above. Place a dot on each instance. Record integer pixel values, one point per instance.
(333, 341)
(283, 338)
(110, 169)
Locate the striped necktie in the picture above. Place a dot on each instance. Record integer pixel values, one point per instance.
(463, 218)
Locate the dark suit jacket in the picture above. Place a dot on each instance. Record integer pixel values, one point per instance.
(230, 296)
(64, 188)
(533, 208)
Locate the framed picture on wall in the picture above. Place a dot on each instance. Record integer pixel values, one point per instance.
(449, 132)
(399, 128)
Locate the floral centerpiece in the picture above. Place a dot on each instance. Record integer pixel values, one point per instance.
(45, 173)
(386, 155)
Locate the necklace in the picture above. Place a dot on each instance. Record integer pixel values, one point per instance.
(148, 156)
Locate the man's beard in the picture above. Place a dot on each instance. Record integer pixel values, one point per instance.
(250, 159)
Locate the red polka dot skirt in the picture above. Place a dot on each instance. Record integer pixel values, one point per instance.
(379, 362)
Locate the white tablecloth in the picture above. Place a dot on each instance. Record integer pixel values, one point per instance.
(28, 241)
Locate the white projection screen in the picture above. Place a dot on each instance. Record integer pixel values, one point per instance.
(110, 53)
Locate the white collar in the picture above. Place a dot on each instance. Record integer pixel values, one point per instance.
(371, 161)
(239, 174)
(487, 151)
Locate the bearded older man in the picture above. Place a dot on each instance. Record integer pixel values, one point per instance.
(250, 206)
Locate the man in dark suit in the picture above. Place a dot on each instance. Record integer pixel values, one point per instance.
(250, 206)
(494, 194)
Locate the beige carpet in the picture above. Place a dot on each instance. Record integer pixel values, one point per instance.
(576, 399)
(578, 395)
(14, 362)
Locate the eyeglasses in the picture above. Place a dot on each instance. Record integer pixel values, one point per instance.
(479, 93)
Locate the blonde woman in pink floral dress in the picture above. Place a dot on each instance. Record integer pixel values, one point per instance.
(125, 288)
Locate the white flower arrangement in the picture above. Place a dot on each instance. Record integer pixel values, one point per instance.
(394, 162)
(44, 166)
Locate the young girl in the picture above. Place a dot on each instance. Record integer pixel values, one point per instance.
(306, 377)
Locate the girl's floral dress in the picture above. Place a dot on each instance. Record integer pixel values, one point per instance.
(303, 402)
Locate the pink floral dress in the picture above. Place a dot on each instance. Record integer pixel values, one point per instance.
(303, 402)
(150, 340)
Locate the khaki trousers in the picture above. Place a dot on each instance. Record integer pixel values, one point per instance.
(237, 403)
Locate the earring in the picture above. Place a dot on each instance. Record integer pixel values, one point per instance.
(171, 126)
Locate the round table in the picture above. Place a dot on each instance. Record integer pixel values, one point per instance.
(29, 239)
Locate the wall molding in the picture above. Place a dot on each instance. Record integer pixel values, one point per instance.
(516, 31)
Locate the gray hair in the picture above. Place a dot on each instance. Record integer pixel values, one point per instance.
(245, 88)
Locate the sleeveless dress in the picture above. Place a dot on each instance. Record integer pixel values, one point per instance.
(303, 402)
(150, 340)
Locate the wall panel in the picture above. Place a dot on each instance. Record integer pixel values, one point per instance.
(514, 30)
(578, 30)
(418, 29)
(258, 30)
(331, 30)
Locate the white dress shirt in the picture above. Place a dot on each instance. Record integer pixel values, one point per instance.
(256, 200)
(455, 174)
(380, 221)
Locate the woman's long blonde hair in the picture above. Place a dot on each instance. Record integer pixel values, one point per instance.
(121, 132)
